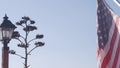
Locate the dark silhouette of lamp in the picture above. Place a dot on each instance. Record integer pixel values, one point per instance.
(6, 31)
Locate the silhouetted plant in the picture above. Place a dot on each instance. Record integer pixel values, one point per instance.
(24, 42)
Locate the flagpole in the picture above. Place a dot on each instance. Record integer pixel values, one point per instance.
(108, 5)
(117, 2)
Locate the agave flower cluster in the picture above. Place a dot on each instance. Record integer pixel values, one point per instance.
(28, 26)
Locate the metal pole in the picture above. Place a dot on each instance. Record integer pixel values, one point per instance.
(5, 55)
(117, 2)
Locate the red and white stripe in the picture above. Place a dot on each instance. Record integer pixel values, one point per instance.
(110, 56)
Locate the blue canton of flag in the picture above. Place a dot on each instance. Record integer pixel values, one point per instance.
(104, 23)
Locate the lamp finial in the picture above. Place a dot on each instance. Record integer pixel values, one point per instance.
(5, 18)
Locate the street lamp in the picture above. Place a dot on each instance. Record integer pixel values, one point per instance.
(6, 31)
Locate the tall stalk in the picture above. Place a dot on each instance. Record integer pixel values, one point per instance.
(28, 26)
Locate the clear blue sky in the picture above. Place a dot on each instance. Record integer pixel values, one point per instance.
(69, 27)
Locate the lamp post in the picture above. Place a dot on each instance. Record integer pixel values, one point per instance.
(6, 31)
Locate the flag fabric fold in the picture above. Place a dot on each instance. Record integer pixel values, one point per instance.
(108, 31)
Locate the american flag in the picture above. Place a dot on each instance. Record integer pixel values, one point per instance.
(108, 31)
